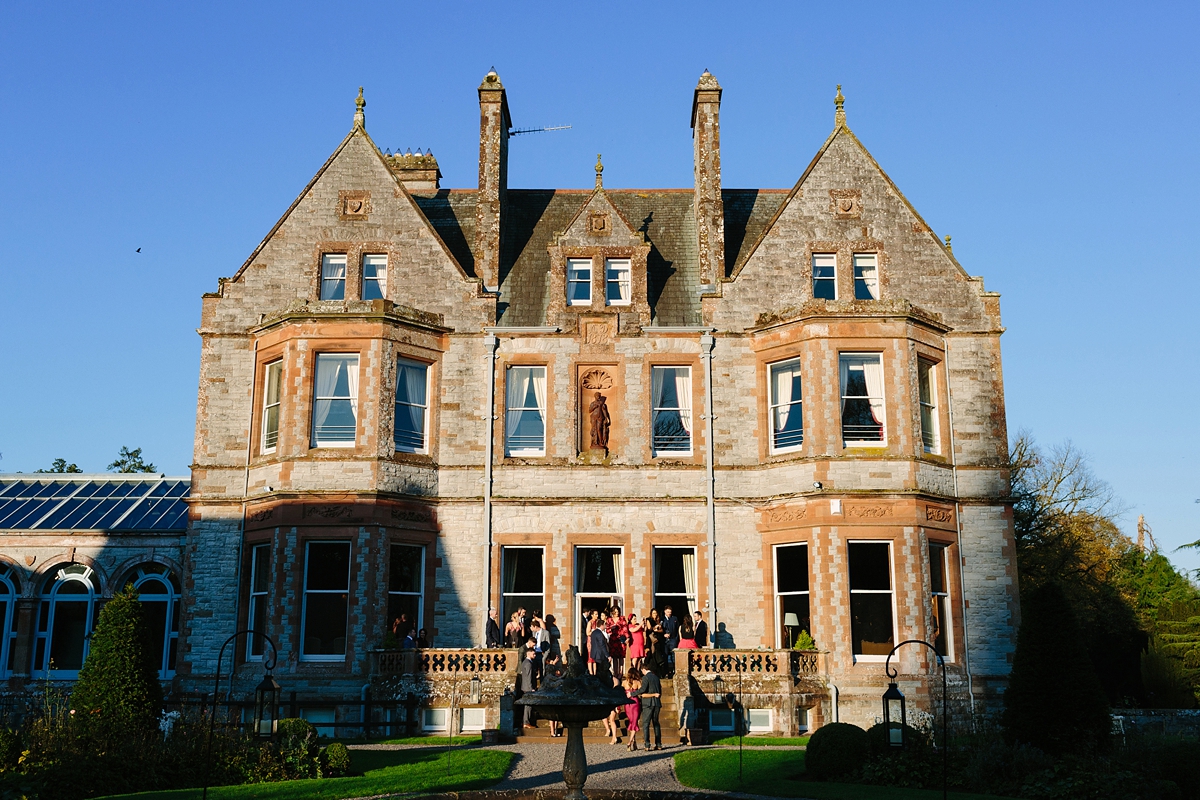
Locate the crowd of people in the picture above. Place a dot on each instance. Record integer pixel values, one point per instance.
(635, 652)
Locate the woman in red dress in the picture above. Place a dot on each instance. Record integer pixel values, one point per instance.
(637, 642)
(618, 635)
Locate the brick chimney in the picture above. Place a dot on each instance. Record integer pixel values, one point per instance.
(494, 124)
(709, 208)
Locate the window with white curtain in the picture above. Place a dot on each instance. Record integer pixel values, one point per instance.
(824, 276)
(675, 579)
(10, 590)
(579, 281)
(374, 277)
(939, 590)
(66, 615)
(260, 577)
(270, 424)
(158, 591)
(927, 389)
(335, 400)
(863, 416)
(872, 615)
(619, 282)
(326, 601)
(525, 411)
(866, 276)
(412, 406)
(787, 412)
(333, 276)
(671, 414)
(791, 593)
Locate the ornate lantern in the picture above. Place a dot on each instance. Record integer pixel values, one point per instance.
(266, 702)
(476, 690)
(719, 690)
(893, 715)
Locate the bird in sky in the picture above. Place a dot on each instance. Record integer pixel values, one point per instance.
(139, 249)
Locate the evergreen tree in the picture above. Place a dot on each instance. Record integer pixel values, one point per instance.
(131, 461)
(1054, 700)
(118, 694)
(60, 465)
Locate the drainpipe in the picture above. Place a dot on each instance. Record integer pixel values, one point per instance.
(962, 556)
(489, 343)
(707, 343)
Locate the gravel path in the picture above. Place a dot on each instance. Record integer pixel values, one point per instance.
(610, 766)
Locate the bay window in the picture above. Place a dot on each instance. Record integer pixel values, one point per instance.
(671, 413)
(863, 415)
(928, 400)
(618, 276)
(260, 581)
(787, 417)
(872, 620)
(333, 276)
(525, 411)
(412, 406)
(335, 400)
(326, 601)
(939, 591)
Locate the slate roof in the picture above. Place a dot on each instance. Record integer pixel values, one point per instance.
(534, 217)
(93, 502)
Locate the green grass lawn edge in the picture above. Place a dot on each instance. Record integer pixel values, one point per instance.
(761, 741)
(766, 772)
(383, 772)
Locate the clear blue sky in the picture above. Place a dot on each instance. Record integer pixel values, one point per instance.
(1055, 142)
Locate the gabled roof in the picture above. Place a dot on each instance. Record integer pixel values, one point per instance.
(105, 502)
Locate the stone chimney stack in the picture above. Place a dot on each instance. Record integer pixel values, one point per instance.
(709, 208)
(494, 124)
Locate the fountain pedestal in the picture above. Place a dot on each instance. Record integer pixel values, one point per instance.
(573, 697)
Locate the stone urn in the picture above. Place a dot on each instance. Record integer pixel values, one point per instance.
(570, 695)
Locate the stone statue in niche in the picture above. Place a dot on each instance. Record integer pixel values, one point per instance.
(600, 422)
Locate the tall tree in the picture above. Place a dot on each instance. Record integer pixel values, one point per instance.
(60, 465)
(131, 461)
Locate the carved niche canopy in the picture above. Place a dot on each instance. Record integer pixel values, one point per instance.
(596, 379)
(595, 390)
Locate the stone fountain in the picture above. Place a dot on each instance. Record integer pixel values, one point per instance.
(573, 697)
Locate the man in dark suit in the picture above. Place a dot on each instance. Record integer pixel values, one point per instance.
(493, 630)
(651, 696)
(671, 631)
(527, 681)
(701, 630)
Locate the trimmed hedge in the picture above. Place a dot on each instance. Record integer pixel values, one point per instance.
(836, 750)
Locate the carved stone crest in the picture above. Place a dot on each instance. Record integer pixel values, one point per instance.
(261, 516)
(354, 204)
(778, 516)
(935, 514)
(870, 512)
(597, 333)
(327, 512)
(599, 223)
(596, 379)
(29, 560)
(846, 203)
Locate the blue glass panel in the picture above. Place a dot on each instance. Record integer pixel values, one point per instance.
(109, 513)
(77, 517)
(65, 489)
(29, 513)
(60, 513)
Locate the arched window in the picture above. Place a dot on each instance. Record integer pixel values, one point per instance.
(159, 592)
(66, 616)
(10, 590)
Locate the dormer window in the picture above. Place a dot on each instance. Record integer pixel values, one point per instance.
(619, 281)
(579, 281)
(866, 276)
(333, 276)
(374, 277)
(824, 276)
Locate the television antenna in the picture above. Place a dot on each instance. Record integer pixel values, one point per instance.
(520, 131)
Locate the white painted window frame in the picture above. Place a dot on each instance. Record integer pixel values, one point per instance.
(424, 448)
(842, 398)
(419, 622)
(524, 452)
(316, 441)
(618, 272)
(380, 262)
(656, 409)
(48, 603)
(270, 438)
(161, 574)
(779, 641)
(795, 406)
(8, 620)
(579, 264)
(863, 262)
(324, 658)
(751, 727)
(330, 285)
(948, 615)
(832, 280)
(931, 441)
(867, 659)
(254, 598)
(473, 718)
(504, 550)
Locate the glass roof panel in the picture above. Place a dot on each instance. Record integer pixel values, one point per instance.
(64, 489)
(55, 519)
(93, 504)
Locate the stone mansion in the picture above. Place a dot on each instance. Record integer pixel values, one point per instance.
(784, 408)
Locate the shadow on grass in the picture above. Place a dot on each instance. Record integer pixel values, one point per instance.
(376, 772)
(781, 774)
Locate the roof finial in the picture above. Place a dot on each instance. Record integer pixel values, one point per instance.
(360, 119)
(948, 247)
(839, 102)
(599, 173)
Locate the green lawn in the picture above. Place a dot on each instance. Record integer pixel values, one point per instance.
(770, 773)
(380, 772)
(763, 741)
(424, 741)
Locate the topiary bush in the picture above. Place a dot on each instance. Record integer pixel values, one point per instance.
(1054, 700)
(836, 750)
(294, 754)
(336, 759)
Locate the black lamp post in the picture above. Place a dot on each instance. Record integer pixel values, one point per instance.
(894, 707)
(265, 700)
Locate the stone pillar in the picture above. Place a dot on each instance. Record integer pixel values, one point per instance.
(709, 208)
(494, 124)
